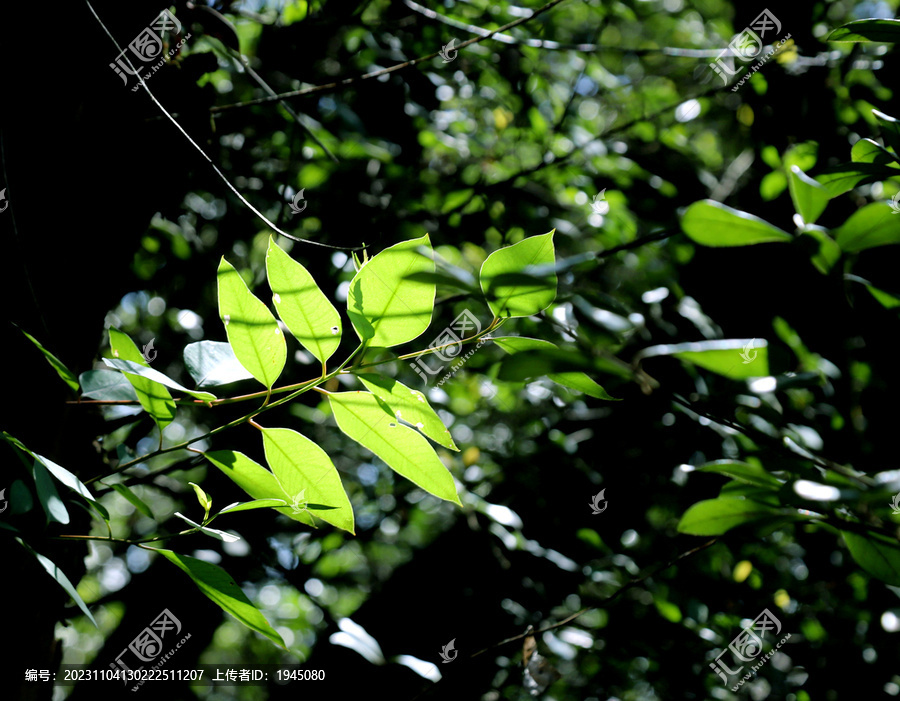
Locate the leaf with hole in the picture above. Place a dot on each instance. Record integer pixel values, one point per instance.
(302, 306)
(370, 423)
(411, 406)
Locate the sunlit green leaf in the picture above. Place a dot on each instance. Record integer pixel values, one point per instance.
(737, 359)
(842, 178)
(306, 474)
(867, 151)
(302, 306)
(254, 479)
(411, 406)
(810, 198)
(154, 398)
(370, 423)
(873, 225)
(249, 505)
(386, 303)
(712, 223)
(512, 279)
(202, 496)
(718, 516)
(252, 331)
(133, 368)
(218, 585)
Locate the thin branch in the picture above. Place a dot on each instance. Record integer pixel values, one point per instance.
(558, 46)
(327, 87)
(202, 152)
(633, 583)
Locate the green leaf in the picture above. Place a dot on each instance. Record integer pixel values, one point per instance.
(254, 479)
(154, 398)
(407, 452)
(302, 306)
(711, 223)
(843, 178)
(867, 151)
(306, 474)
(61, 579)
(890, 130)
(133, 499)
(58, 471)
(873, 225)
(133, 368)
(67, 375)
(212, 532)
(582, 383)
(106, 385)
(218, 585)
(743, 472)
(572, 379)
(213, 363)
(726, 357)
(386, 305)
(885, 31)
(202, 497)
(252, 331)
(47, 494)
(512, 279)
(876, 554)
(411, 406)
(810, 198)
(20, 500)
(829, 252)
(717, 516)
(255, 504)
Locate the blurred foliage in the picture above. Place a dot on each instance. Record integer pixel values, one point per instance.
(743, 224)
